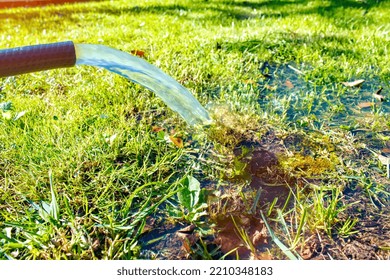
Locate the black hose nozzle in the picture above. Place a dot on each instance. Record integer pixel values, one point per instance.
(36, 58)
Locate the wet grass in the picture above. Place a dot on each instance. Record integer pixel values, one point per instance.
(88, 168)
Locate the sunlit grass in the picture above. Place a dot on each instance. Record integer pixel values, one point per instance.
(88, 140)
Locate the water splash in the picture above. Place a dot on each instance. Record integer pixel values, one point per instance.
(177, 97)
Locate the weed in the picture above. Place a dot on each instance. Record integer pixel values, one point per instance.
(347, 228)
(192, 202)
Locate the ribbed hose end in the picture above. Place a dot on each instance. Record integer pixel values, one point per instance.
(36, 58)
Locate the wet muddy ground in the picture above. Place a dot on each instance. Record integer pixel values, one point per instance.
(231, 213)
(236, 228)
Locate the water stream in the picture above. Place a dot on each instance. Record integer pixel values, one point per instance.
(177, 97)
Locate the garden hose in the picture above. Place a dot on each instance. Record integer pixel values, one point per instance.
(28, 59)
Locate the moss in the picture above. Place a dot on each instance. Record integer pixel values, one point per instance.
(231, 128)
(307, 166)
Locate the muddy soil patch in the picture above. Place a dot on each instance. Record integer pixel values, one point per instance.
(238, 230)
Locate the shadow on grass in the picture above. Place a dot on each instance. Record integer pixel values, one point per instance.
(287, 42)
(244, 10)
(208, 10)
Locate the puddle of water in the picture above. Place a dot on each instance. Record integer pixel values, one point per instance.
(267, 176)
(242, 235)
(284, 89)
(237, 222)
(163, 240)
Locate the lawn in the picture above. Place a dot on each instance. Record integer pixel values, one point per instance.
(93, 166)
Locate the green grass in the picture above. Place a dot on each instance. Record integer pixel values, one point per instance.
(85, 139)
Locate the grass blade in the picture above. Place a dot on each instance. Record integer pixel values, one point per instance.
(54, 209)
(283, 247)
